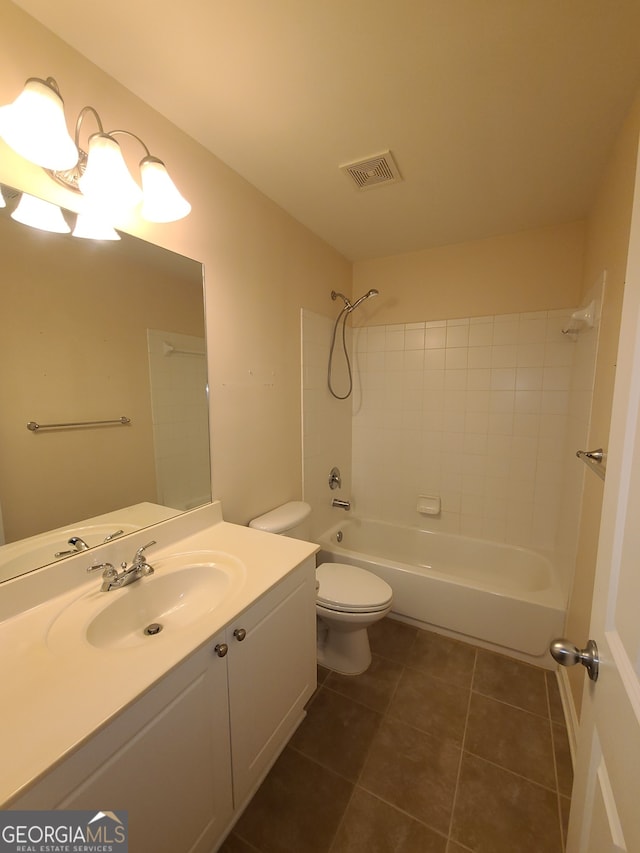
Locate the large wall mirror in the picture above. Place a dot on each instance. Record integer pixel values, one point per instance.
(95, 331)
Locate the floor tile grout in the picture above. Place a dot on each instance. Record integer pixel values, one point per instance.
(403, 812)
(511, 772)
(511, 705)
(462, 750)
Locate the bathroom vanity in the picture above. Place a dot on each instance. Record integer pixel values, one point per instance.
(177, 728)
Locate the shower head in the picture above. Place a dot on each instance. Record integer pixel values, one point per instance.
(367, 295)
(347, 305)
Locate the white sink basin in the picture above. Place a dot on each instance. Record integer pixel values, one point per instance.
(184, 589)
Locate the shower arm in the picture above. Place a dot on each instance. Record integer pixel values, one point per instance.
(348, 306)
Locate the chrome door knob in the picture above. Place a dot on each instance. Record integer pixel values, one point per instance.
(240, 634)
(221, 649)
(567, 654)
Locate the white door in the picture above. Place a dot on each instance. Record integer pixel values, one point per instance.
(605, 813)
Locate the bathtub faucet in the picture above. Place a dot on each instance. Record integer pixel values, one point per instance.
(340, 504)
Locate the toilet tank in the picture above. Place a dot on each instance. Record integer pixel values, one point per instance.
(291, 519)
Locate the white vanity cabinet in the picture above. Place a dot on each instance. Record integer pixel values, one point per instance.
(165, 760)
(272, 675)
(186, 756)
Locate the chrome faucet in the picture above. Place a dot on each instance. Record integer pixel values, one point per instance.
(340, 504)
(114, 579)
(78, 545)
(112, 536)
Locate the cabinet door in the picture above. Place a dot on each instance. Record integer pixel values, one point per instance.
(165, 761)
(272, 675)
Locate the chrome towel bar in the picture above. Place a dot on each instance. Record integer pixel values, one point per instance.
(34, 427)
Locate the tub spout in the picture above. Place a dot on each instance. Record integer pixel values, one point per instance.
(340, 504)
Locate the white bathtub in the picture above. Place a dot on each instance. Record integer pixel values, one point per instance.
(498, 595)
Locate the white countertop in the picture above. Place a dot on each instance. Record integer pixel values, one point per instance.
(54, 699)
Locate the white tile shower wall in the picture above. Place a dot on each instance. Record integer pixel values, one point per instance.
(326, 421)
(180, 418)
(475, 410)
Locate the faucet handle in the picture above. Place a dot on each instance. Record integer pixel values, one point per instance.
(105, 567)
(111, 536)
(138, 557)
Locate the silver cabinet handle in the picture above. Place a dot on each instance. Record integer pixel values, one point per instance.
(221, 649)
(240, 634)
(566, 654)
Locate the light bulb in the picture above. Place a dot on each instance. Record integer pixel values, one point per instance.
(161, 200)
(41, 214)
(34, 126)
(107, 183)
(90, 226)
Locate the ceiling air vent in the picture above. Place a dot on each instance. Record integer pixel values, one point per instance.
(374, 171)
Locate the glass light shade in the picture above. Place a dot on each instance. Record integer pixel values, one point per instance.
(41, 214)
(34, 126)
(92, 227)
(161, 200)
(107, 183)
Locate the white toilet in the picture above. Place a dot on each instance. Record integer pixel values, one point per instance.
(349, 599)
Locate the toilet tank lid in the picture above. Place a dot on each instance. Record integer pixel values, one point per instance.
(282, 518)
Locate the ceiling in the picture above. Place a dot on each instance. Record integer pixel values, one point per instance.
(500, 113)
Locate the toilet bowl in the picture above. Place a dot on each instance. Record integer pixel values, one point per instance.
(348, 601)
(348, 598)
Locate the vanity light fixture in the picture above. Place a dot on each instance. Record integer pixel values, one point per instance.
(40, 214)
(45, 216)
(91, 227)
(34, 126)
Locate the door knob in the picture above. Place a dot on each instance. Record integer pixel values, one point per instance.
(221, 649)
(566, 654)
(240, 634)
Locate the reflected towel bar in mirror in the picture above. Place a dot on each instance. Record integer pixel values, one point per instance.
(34, 427)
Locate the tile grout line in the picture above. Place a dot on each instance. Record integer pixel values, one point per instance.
(512, 772)
(511, 705)
(401, 811)
(356, 784)
(563, 840)
(385, 715)
(464, 737)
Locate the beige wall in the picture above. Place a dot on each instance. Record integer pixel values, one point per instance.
(535, 270)
(261, 266)
(607, 244)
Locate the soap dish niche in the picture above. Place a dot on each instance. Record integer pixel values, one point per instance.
(429, 505)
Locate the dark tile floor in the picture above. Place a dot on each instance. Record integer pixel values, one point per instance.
(440, 747)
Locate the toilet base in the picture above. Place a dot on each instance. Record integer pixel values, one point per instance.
(346, 653)
(343, 641)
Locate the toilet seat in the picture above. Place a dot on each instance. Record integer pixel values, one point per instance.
(349, 589)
